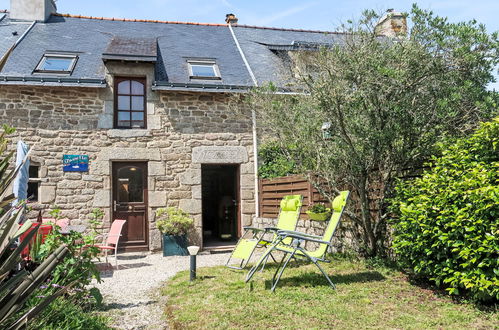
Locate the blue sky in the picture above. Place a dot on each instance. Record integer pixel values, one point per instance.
(312, 14)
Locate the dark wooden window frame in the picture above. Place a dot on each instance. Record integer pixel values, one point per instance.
(118, 80)
(34, 181)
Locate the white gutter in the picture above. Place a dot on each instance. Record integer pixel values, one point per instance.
(253, 119)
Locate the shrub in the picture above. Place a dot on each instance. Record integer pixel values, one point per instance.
(447, 225)
(173, 221)
(68, 314)
(275, 161)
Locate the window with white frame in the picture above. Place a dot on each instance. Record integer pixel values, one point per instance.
(57, 63)
(203, 69)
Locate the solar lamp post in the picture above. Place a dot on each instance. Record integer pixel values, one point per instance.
(193, 251)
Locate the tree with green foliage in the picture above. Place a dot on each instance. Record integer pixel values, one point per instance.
(274, 161)
(448, 224)
(388, 102)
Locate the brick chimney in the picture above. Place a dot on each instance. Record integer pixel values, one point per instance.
(32, 10)
(231, 19)
(392, 24)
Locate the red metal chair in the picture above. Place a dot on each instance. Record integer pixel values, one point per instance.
(43, 231)
(113, 237)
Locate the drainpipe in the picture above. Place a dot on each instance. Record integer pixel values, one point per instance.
(253, 119)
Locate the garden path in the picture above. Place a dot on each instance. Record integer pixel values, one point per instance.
(131, 293)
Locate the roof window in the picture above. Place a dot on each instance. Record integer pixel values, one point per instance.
(57, 63)
(203, 70)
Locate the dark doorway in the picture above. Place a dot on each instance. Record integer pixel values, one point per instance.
(130, 204)
(220, 188)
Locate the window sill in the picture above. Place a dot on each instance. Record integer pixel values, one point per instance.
(128, 132)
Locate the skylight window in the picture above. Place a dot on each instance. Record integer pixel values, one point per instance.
(203, 70)
(56, 63)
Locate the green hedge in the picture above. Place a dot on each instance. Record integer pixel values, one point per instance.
(447, 224)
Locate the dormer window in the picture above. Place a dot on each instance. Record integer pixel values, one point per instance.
(57, 63)
(203, 69)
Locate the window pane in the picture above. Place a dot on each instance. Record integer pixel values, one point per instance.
(137, 116)
(123, 102)
(33, 191)
(137, 88)
(137, 119)
(33, 171)
(130, 185)
(51, 63)
(124, 118)
(124, 87)
(203, 70)
(137, 103)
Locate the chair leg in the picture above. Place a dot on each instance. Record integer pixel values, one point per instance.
(257, 265)
(320, 268)
(325, 275)
(116, 256)
(274, 284)
(278, 267)
(265, 261)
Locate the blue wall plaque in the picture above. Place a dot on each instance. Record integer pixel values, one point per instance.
(75, 163)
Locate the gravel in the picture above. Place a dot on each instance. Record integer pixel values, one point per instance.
(131, 293)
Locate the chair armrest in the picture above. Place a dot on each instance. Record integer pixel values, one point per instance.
(301, 236)
(254, 229)
(274, 229)
(299, 233)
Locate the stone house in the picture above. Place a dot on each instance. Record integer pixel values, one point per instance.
(145, 105)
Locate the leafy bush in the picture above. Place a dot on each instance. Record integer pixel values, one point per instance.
(78, 268)
(67, 314)
(447, 226)
(173, 221)
(274, 161)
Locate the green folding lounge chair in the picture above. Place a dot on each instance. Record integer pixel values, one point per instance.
(292, 244)
(254, 237)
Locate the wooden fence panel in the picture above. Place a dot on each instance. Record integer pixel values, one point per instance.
(273, 190)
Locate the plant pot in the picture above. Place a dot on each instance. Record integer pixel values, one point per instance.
(174, 245)
(319, 216)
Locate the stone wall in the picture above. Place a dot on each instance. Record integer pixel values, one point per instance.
(189, 129)
(50, 108)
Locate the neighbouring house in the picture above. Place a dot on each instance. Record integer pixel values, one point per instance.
(132, 115)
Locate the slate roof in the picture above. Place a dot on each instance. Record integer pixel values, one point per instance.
(259, 46)
(10, 32)
(92, 39)
(132, 49)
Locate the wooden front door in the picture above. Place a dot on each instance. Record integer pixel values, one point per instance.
(130, 203)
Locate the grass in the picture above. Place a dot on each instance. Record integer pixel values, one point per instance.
(365, 297)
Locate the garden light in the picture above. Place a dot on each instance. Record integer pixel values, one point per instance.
(193, 251)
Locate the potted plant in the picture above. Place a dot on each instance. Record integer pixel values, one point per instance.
(174, 224)
(319, 212)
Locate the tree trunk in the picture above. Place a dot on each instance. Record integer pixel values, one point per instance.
(369, 237)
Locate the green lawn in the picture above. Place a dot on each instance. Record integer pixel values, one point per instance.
(364, 298)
